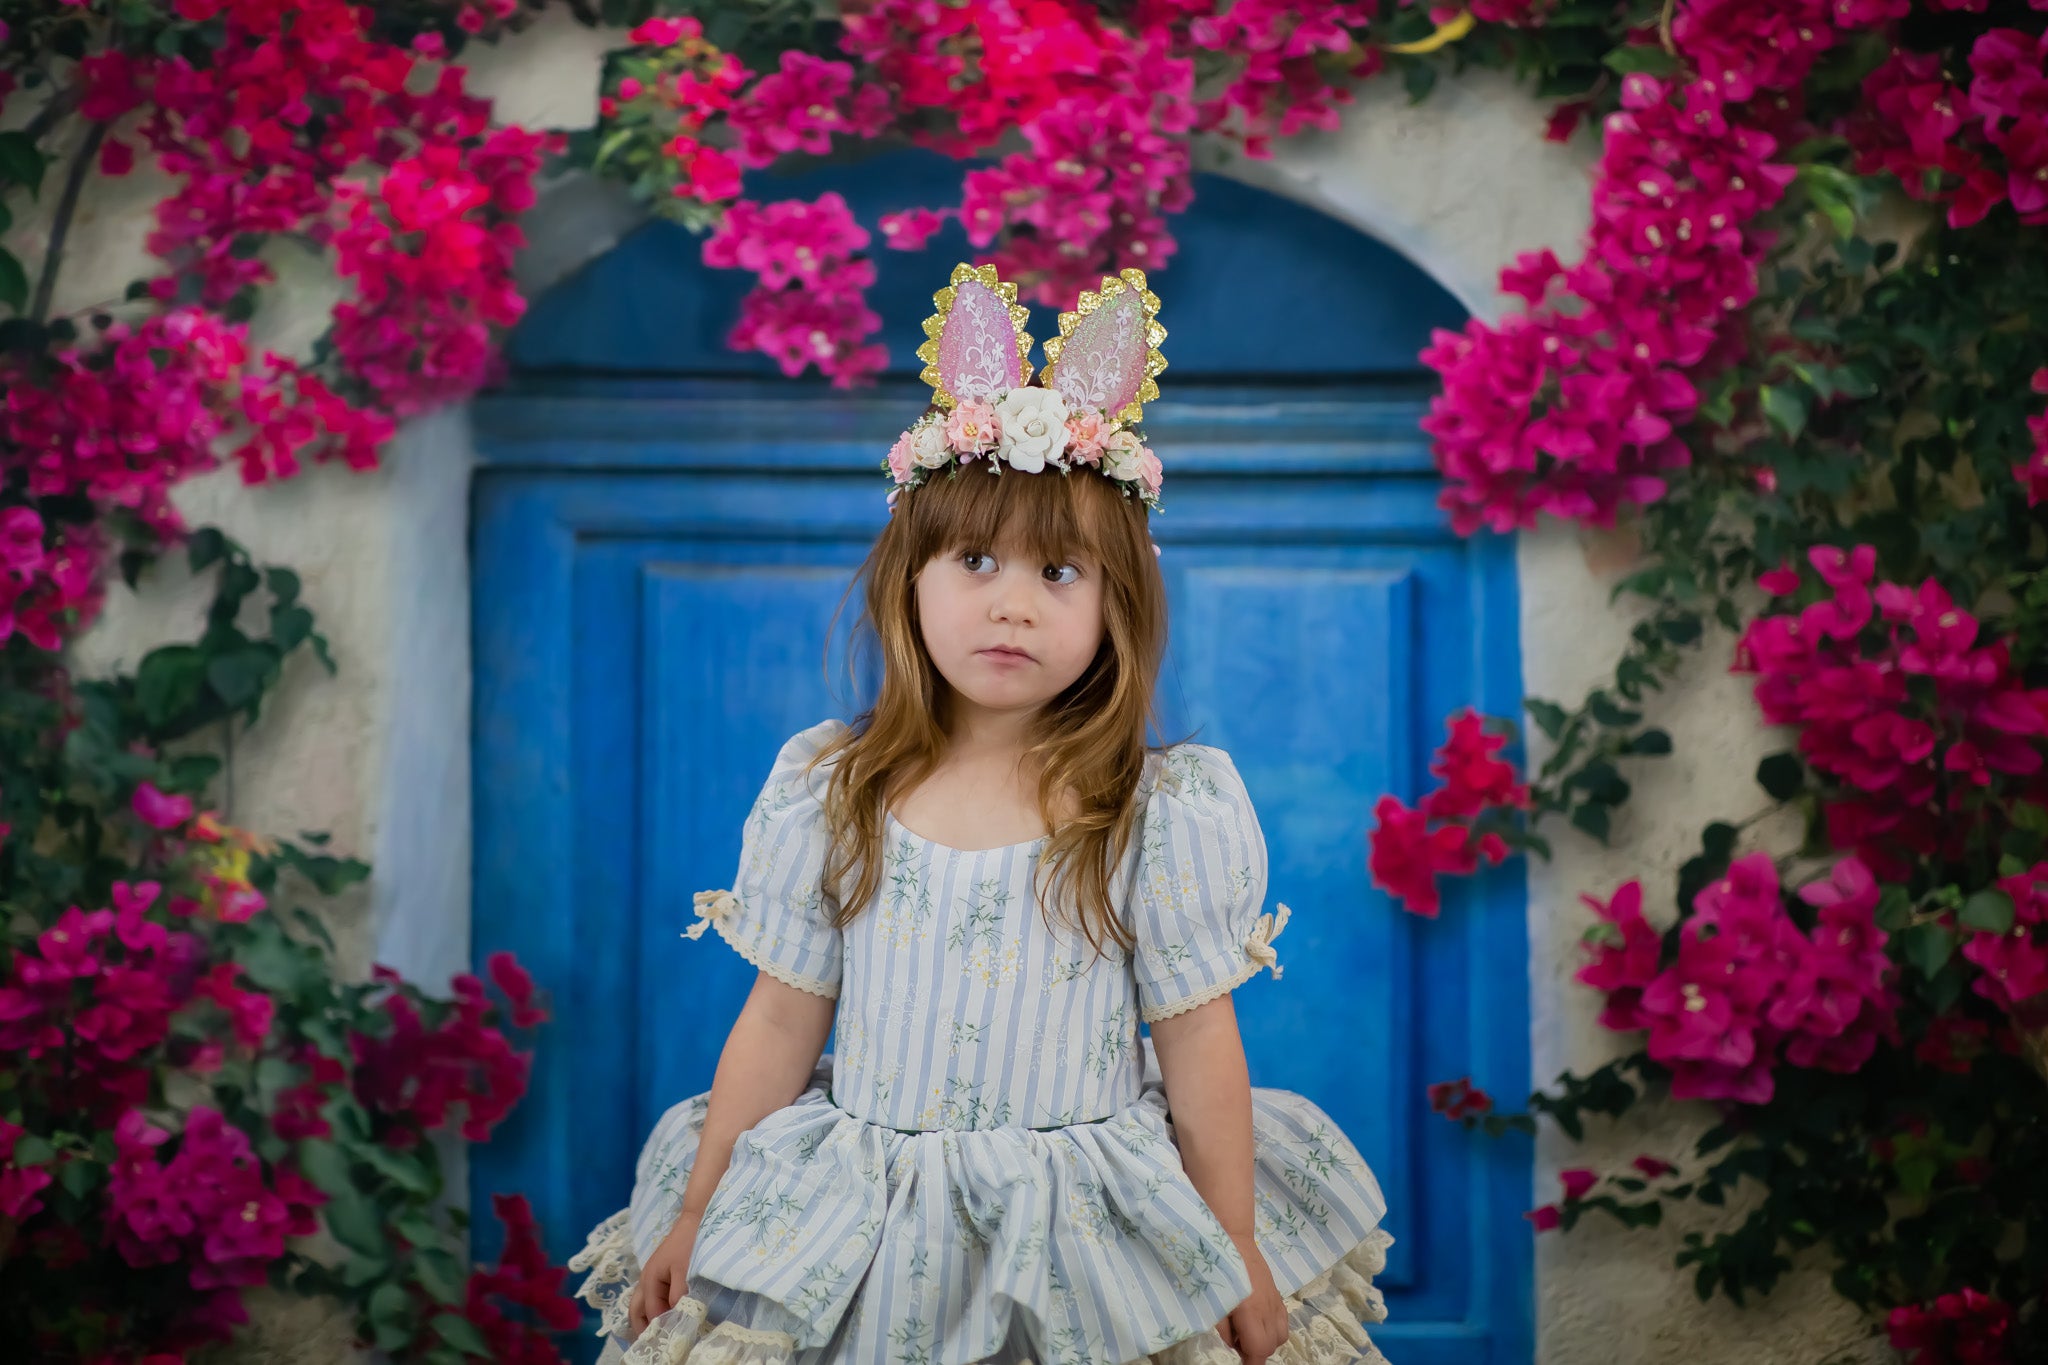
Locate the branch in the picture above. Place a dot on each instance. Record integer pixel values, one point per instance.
(60, 105)
(60, 227)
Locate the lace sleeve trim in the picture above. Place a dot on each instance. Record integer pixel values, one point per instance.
(1153, 1013)
(809, 985)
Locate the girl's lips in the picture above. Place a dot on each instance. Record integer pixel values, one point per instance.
(1011, 655)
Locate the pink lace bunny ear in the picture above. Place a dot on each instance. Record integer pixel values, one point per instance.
(976, 343)
(1107, 353)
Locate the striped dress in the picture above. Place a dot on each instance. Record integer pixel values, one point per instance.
(983, 1169)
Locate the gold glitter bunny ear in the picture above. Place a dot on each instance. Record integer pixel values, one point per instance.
(976, 343)
(1107, 353)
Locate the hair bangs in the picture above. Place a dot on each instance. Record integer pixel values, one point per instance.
(1050, 516)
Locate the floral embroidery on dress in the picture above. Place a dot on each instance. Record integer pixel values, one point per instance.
(907, 912)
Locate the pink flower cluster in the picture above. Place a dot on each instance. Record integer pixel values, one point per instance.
(1748, 990)
(428, 238)
(1289, 62)
(810, 307)
(49, 576)
(1411, 848)
(320, 131)
(419, 1074)
(801, 105)
(693, 83)
(1973, 147)
(1103, 112)
(209, 1206)
(100, 991)
(1572, 407)
(523, 1279)
(2014, 964)
(1897, 700)
(1968, 1327)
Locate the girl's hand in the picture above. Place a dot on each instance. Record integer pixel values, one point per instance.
(1257, 1327)
(665, 1279)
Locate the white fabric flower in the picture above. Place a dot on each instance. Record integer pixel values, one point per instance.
(1034, 428)
(1123, 457)
(929, 446)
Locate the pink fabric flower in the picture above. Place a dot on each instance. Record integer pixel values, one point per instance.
(972, 427)
(1087, 435)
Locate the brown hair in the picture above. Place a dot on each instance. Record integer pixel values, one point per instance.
(1088, 742)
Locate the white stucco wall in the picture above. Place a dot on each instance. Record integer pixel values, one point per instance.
(379, 755)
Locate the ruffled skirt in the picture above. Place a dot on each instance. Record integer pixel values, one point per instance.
(833, 1241)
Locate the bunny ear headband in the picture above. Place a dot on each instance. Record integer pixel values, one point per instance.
(1100, 371)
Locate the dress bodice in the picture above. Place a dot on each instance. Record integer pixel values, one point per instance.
(961, 1007)
(962, 1004)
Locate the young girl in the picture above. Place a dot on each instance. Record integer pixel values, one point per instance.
(988, 883)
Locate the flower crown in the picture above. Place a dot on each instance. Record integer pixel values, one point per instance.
(1100, 371)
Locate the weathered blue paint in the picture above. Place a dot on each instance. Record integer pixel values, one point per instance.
(658, 560)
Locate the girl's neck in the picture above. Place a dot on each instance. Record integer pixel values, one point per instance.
(977, 732)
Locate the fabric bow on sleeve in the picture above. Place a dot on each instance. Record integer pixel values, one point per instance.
(1259, 947)
(710, 905)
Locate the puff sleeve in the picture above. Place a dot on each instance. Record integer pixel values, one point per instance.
(1200, 886)
(774, 915)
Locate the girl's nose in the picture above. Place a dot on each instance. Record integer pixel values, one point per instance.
(1014, 601)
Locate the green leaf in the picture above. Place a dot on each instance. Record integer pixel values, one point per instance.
(1927, 947)
(441, 1275)
(324, 1164)
(32, 1149)
(169, 682)
(1989, 911)
(13, 282)
(1603, 709)
(391, 1316)
(1650, 743)
(1647, 58)
(402, 1170)
(1548, 715)
(239, 676)
(1781, 775)
(1894, 909)
(460, 1332)
(1785, 407)
(290, 627)
(22, 162)
(1681, 630)
(355, 1223)
(204, 548)
(1593, 819)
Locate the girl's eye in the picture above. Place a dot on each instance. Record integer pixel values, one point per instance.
(1062, 574)
(975, 562)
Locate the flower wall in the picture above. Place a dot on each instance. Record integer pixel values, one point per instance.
(1822, 437)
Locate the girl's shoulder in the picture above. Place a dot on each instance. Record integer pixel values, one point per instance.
(805, 744)
(1187, 774)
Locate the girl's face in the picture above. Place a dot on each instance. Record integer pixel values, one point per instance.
(1007, 632)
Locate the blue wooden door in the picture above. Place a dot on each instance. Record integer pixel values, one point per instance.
(659, 560)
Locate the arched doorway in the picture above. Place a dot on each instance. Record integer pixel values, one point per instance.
(662, 530)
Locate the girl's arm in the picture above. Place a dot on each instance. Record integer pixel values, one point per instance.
(1209, 1095)
(768, 1059)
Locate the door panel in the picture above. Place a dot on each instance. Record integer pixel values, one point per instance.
(650, 623)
